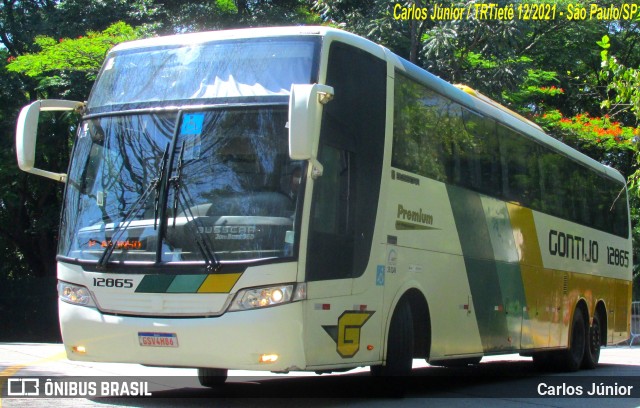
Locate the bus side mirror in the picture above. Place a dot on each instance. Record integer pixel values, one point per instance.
(27, 131)
(305, 114)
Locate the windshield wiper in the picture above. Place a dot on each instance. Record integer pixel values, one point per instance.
(156, 204)
(181, 196)
(137, 205)
(175, 182)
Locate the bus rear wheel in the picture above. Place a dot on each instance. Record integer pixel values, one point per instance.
(571, 359)
(592, 349)
(399, 344)
(212, 377)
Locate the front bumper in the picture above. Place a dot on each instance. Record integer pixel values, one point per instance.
(234, 340)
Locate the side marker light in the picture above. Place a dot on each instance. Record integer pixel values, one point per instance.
(268, 358)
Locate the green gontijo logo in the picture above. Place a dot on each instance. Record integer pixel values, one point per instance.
(413, 220)
(347, 333)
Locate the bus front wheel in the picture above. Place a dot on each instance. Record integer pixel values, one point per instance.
(212, 377)
(399, 344)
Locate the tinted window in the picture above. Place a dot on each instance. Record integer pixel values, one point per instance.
(440, 139)
(351, 148)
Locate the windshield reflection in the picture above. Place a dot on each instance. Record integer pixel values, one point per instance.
(231, 189)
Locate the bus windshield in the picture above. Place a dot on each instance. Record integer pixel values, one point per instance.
(148, 77)
(226, 185)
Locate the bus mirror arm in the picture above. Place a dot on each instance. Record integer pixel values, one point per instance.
(26, 133)
(305, 114)
(316, 168)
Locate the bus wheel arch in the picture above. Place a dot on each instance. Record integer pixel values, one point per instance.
(408, 335)
(421, 323)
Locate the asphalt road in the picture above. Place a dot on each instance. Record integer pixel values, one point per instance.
(505, 381)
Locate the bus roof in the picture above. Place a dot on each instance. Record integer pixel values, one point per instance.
(204, 37)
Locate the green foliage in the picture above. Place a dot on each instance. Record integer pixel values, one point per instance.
(601, 138)
(623, 82)
(536, 91)
(508, 61)
(227, 6)
(590, 132)
(85, 53)
(195, 15)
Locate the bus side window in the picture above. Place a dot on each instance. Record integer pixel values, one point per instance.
(331, 213)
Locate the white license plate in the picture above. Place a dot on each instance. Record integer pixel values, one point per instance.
(148, 339)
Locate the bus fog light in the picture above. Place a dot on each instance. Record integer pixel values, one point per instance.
(75, 294)
(268, 358)
(79, 349)
(256, 298)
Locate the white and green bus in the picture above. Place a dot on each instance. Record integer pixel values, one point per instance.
(301, 198)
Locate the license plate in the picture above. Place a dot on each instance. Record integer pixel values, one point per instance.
(148, 339)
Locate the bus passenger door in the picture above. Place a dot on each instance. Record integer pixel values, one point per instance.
(330, 314)
(341, 324)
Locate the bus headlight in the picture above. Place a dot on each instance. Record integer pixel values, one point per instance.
(256, 298)
(75, 294)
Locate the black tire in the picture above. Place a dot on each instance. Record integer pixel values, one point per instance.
(571, 359)
(592, 347)
(212, 377)
(400, 344)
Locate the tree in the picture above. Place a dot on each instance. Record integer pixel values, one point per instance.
(623, 99)
(623, 83)
(497, 58)
(30, 206)
(82, 54)
(196, 15)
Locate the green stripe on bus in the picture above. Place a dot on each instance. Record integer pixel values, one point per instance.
(514, 301)
(481, 268)
(508, 267)
(496, 284)
(186, 283)
(155, 283)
